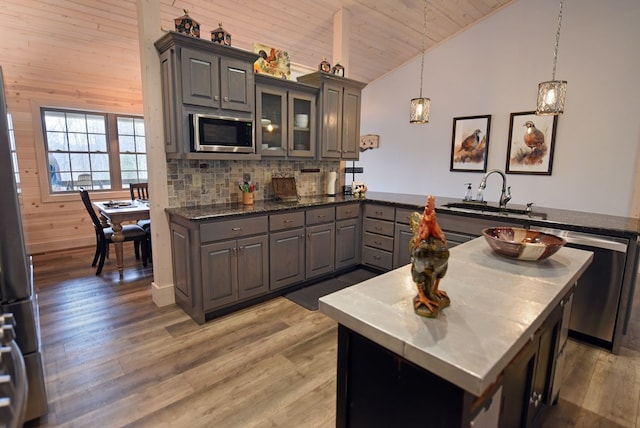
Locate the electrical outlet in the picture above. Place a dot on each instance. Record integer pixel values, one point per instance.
(246, 177)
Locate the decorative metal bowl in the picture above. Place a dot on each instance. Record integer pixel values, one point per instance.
(522, 244)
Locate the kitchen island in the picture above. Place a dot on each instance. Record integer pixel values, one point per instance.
(499, 307)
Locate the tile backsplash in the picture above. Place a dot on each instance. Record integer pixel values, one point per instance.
(194, 183)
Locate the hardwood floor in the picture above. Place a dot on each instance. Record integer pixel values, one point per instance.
(112, 358)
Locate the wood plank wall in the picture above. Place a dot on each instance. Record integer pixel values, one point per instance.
(81, 54)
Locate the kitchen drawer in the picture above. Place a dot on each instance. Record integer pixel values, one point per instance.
(379, 258)
(347, 211)
(378, 241)
(286, 220)
(226, 229)
(378, 226)
(382, 212)
(403, 215)
(320, 215)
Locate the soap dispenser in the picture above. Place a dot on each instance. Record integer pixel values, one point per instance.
(469, 194)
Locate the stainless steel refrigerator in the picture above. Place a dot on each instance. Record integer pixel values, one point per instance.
(17, 294)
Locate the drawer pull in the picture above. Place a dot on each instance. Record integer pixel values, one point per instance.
(347, 211)
(236, 229)
(377, 227)
(377, 242)
(376, 257)
(288, 221)
(322, 215)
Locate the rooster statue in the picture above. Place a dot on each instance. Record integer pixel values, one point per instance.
(429, 261)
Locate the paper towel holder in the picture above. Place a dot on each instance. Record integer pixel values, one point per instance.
(332, 178)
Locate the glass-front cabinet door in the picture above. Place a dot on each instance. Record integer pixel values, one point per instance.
(302, 119)
(285, 118)
(271, 121)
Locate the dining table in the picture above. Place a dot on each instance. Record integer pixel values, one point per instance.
(117, 212)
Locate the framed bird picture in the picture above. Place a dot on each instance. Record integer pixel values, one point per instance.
(531, 142)
(470, 143)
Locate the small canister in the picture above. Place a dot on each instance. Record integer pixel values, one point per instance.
(338, 70)
(187, 25)
(325, 66)
(220, 35)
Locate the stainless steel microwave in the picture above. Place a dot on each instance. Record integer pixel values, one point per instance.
(221, 134)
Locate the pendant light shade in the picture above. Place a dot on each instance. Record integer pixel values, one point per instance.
(420, 110)
(551, 94)
(551, 97)
(420, 106)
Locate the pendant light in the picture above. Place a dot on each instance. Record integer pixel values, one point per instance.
(420, 106)
(551, 94)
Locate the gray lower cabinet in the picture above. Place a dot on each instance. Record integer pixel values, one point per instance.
(287, 249)
(348, 235)
(402, 237)
(320, 241)
(378, 233)
(234, 270)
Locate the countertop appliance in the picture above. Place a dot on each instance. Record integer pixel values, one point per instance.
(17, 294)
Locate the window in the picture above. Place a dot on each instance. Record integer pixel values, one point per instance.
(133, 156)
(96, 151)
(14, 155)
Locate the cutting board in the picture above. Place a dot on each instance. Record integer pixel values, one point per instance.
(284, 189)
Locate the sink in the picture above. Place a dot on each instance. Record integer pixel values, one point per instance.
(492, 209)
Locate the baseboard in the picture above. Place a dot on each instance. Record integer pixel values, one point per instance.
(162, 295)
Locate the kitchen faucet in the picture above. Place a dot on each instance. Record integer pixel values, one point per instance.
(505, 196)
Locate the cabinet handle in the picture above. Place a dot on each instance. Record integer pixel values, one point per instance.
(347, 211)
(377, 242)
(309, 235)
(226, 99)
(301, 236)
(216, 97)
(321, 216)
(288, 221)
(376, 257)
(236, 229)
(377, 227)
(379, 212)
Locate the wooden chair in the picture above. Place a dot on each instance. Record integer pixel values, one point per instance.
(131, 232)
(139, 191)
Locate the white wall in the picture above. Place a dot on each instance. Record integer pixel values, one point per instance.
(494, 68)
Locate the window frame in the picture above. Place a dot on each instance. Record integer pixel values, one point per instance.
(117, 190)
(42, 161)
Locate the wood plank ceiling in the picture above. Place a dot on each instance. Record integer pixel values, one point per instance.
(383, 34)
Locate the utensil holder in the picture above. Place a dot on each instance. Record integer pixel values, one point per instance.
(247, 198)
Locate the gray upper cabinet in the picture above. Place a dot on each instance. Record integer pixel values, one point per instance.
(202, 77)
(338, 114)
(285, 118)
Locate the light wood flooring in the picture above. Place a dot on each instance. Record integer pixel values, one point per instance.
(112, 358)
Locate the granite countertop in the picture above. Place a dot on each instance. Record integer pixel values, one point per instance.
(497, 304)
(545, 217)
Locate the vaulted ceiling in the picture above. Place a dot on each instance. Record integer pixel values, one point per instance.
(381, 34)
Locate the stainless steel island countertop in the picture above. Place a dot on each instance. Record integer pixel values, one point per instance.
(497, 304)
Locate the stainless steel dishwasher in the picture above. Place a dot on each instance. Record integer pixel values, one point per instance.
(597, 297)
